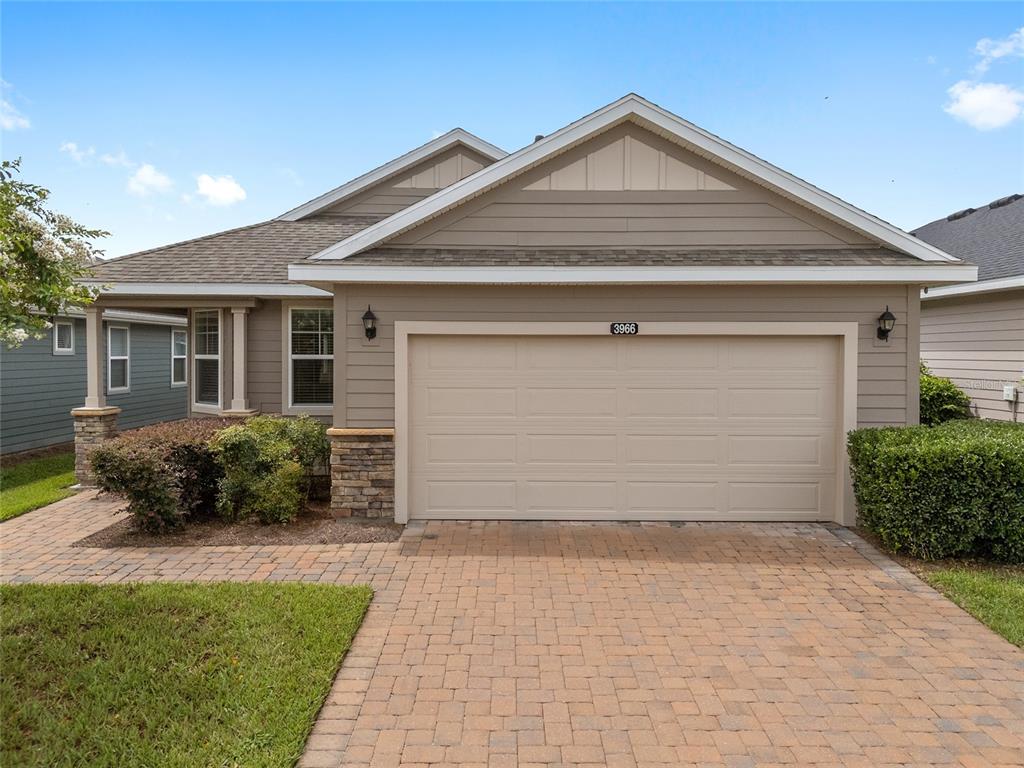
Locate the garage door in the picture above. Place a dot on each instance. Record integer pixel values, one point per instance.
(622, 427)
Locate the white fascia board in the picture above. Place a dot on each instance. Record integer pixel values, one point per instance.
(326, 274)
(968, 289)
(121, 315)
(399, 164)
(186, 290)
(686, 133)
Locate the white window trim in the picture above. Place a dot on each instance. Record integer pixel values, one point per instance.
(177, 384)
(314, 409)
(58, 350)
(219, 357)
(127, 358)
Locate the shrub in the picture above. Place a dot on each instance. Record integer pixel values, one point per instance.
(166, 472)
(953, 490)
(941, 399)
(267, 464)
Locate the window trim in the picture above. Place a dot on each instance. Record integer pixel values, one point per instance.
(59, 350)
(314, 409)
(184, 382)
(208, 407)
(111, 327)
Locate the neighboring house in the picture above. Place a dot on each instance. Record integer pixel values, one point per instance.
(629, 318)
(974, 333)
(144, 373)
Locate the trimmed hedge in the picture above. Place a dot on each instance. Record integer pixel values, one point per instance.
(167, 472)
(954, 490)
(941, 399)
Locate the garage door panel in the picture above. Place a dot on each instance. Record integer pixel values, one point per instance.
(465, 497)
(568, 401)
(777, 496)
(671, 403)
(666, 496)
(779, 403)
(808, 451)
(664, 353)
(581, 496)
(671, 450)
(464, 353)
(471, 448)
(570, 449)
(468, 402)
(586, 354)
(795, 353)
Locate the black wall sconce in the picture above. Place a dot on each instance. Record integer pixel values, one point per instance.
(886, 322)
(370, 323)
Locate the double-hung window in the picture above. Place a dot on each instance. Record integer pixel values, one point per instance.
(311, 353)
(118, 367)
(206, 354)
(63, 337)
(179, 357)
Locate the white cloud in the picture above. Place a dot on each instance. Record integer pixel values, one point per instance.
(219, 190)
(80, 155)
(11, 119)
(119, 160)
(148, 180)
(990, 49)
(985, 106)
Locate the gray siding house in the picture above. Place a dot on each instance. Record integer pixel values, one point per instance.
(145, 374)
(973, 333)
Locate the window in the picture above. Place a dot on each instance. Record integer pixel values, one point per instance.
(311, 346)
(63, 337)
(206, 350)
(117, 358)
(179, 357)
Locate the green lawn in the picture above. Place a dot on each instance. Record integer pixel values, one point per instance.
(35, 483)
(994, 597)
(168, 674)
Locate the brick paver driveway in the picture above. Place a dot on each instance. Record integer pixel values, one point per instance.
(622, 645)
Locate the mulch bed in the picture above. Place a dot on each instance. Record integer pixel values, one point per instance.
(315, 525)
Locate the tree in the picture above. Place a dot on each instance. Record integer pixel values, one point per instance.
(42, 256)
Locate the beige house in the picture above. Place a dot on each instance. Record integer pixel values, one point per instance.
(627, 319)
(974, 332)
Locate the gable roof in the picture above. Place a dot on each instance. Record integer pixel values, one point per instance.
(434, 147)
(991, 237)
(664, 123)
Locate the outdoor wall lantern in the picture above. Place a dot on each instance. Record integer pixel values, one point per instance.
(370, 323)
(886, 322)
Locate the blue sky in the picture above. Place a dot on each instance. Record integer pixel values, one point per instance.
(153, 120)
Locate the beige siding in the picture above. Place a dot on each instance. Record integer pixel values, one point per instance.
(630, 188)
(883, 393)
(265, 350)
(413, 185)
(978, 342)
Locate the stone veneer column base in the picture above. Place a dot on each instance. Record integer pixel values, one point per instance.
(92, 427)
(362, 472)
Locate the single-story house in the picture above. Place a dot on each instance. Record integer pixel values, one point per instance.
(143, 368)
(627, 319)
(974, 332)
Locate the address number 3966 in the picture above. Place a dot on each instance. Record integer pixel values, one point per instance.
(625, 329)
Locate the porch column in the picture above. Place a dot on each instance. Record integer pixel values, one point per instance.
(95, 422)
(94, 393)
(239, 357)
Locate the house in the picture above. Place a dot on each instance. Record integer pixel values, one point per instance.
(143, 369)
(627, 319)
(974, 332)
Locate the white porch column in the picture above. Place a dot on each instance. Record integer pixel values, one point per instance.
(95, 396)
(239, 379)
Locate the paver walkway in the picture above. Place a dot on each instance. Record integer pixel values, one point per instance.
(544, 644)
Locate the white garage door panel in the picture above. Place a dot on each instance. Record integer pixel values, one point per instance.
(643, 427)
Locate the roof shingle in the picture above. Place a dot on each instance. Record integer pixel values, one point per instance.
(992, 238)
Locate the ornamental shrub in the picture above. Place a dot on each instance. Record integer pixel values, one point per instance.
(267, 464)
(953, 490)
(166, 472)
(941, 399)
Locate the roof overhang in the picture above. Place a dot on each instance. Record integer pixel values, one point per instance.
(650, 116)
(431, 148)
(325, 274)
(973, 289)
(194, 290)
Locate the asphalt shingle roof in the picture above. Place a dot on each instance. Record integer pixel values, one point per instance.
(992, 238)
(259, 253)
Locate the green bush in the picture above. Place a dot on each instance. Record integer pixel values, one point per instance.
(267, 463)
(166, 472)
(941, 399)
(954, 490)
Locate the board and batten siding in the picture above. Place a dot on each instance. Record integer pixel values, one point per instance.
(887, 371)
(416, 183)
(38, 389)
(978, 342)
(625, 188)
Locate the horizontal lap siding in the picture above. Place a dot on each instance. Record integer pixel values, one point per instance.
(978, 342)
(882, 387)
(264, 351)
(151, 399)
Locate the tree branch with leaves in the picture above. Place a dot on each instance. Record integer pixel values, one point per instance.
(43, 255)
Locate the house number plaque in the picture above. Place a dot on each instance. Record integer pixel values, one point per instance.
(625, 329)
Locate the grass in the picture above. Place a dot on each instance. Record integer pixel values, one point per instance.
(994, 596)
(168, 674)
(35, 483)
